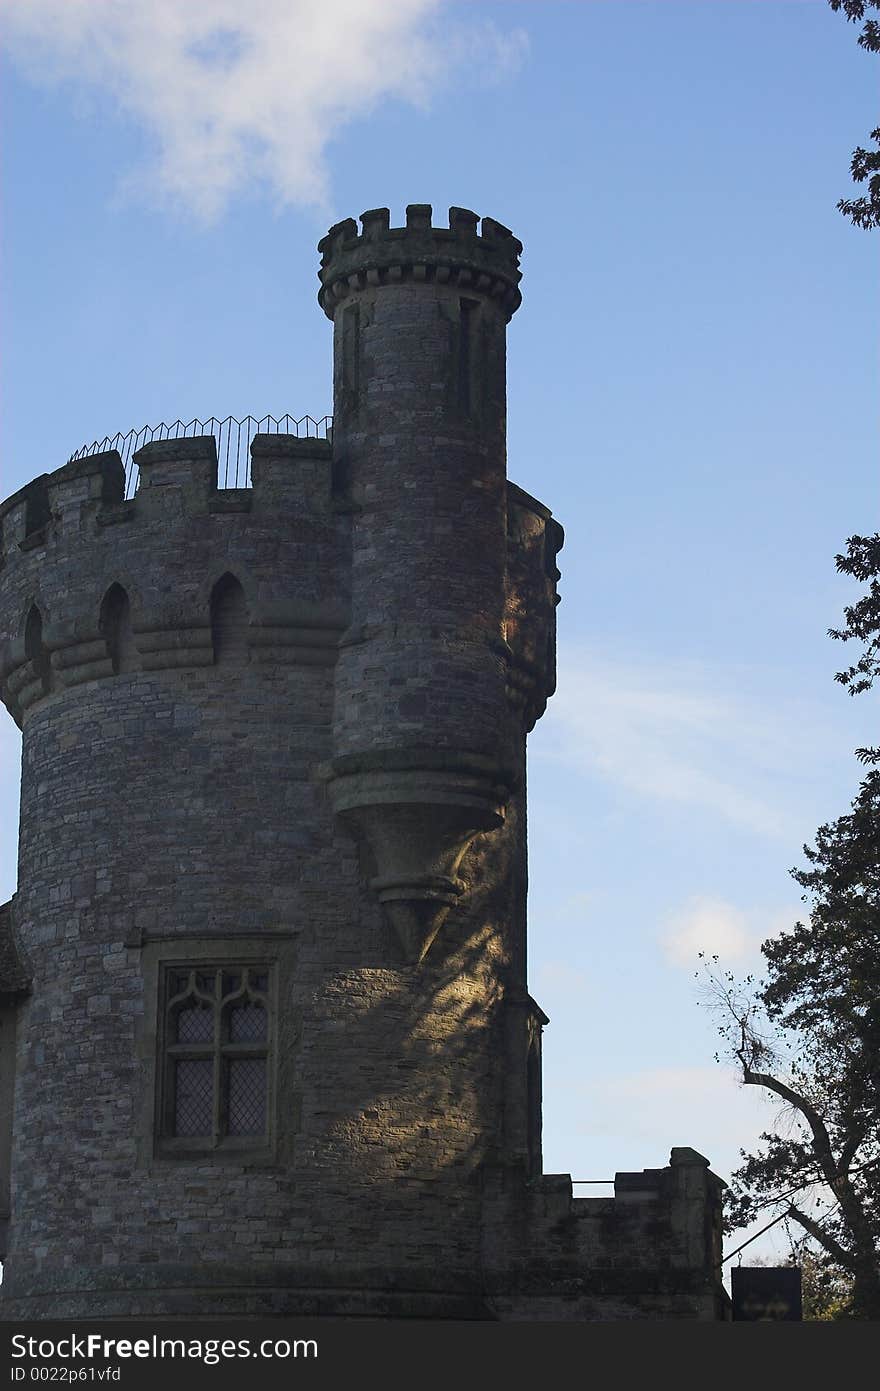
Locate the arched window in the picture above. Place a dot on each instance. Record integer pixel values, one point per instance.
(33, 645)
(217, 1049)
(229, 621)
(115, 628)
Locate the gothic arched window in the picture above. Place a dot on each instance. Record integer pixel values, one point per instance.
(217, 1049)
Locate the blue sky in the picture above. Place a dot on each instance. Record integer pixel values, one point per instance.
(691, 389)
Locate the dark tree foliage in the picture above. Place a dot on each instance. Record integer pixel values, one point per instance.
(865, 165)
(809, 1033)
(827, 1290)
(862, 561)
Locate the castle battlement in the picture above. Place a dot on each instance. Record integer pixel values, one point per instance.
(83, 495)
(69, 536)
(486, 263)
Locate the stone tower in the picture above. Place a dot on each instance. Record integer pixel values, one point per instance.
(264, 977)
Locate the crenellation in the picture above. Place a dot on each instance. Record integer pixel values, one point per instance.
(375, 223)
(289, 473)
(496, 231)
(77, 558)
(340, 235)
(176, 473)
(463, 223)
(98, 479)
(455, 255)
(418, 218)
(24, 518)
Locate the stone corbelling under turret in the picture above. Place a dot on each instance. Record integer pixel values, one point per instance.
(419, 810)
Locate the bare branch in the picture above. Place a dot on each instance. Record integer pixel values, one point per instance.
(821, 1140)
(825, 1240)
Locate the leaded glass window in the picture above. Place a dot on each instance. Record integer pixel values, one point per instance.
(217, 1050)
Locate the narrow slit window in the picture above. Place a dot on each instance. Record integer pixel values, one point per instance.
(115, 627)
(467, 309)
(351, 353)
(34, 647)
(229, 622)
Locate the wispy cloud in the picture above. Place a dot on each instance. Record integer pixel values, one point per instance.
(710, 926)
(676, 734)
(714, 927)
(237, 94)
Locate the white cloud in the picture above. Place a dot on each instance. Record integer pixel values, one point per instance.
(716, 928)
(236, 94)
(711, 926)
(676, 734)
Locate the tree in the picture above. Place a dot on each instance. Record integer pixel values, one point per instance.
(809, 1033)
(862, 561)
(827, 1290)
(865, 165)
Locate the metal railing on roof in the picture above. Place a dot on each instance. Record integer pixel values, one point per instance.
(233, 438)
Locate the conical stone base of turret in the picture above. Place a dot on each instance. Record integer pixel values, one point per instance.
(418, 822)
(416, 921)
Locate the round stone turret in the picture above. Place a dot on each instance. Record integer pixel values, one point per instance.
(426, 742)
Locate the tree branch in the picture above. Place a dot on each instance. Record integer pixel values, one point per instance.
(854, 1137)
(751, 1047)
(821, 1140)
(815, 1230)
